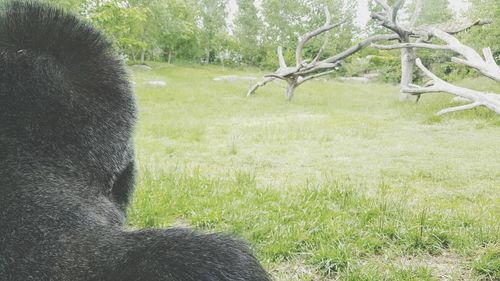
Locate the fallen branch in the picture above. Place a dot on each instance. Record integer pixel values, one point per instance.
(471, 58)
(458, 108)
(260, 84)
(477, 98)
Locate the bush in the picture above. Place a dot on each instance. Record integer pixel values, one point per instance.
(389, 68)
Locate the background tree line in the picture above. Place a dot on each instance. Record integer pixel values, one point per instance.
(202, 31)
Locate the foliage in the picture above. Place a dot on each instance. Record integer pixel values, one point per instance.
(249, 32)
(172, 29)
(386, 64)
(389, 67)
(287, 20)
(124, 24)
(489, 35)
(212, 15)
(435, 11)
(199, 30)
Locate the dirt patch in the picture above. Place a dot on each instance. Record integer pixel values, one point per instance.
(447, 266)
(296, 270)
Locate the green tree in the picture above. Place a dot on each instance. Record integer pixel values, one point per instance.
(178, 34)
(249, 29)
(341, 11)
(287, 20)
(489, 35)
(212, 19)
(124, 24)
(435, 11)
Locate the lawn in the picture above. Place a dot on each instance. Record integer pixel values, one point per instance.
(344, 182)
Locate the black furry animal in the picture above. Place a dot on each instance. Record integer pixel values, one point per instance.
(67, 165)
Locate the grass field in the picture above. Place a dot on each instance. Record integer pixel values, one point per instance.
(344, 182)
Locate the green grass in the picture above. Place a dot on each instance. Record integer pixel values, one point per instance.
(344, 182)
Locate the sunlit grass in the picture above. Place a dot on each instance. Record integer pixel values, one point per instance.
(343, 182)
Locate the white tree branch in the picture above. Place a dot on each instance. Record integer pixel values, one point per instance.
(304, 70)
(326, 28)
(489, 100)
(395, 10)
(281, 58)
(384, 5)
(359, 46)
(388, 18)
(455, 28)
(471, 58)
(488, 55)
(410, 45)
(458, 108)
(302, 80)
(259, 84)
(416, 14)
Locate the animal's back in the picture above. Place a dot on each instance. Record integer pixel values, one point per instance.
(67, 165)
(66, 118)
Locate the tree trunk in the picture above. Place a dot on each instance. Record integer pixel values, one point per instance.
(208, 57)
(142, 56)
(169, 57)
(290, 90)
(408, 56)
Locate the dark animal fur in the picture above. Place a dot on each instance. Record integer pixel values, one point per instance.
(67, 165)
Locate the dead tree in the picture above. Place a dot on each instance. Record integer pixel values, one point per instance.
(388, 18)
(468, 56)
(305, 70)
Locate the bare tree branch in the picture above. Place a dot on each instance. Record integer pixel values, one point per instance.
(303, 70)
(378, 16)
(322, 49)
(275, 75)
(489, 100)
(384, 5)
(361, 45)
(458, 108)
(395, 10)
(454, 28)
(326, 28)
(410, 45)
(416, 14)
(471, 58)
(259, 84)
(299, 74)
(388, 19)
(488, 55)
(281, 58)
(300, 81)
(325, 40)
